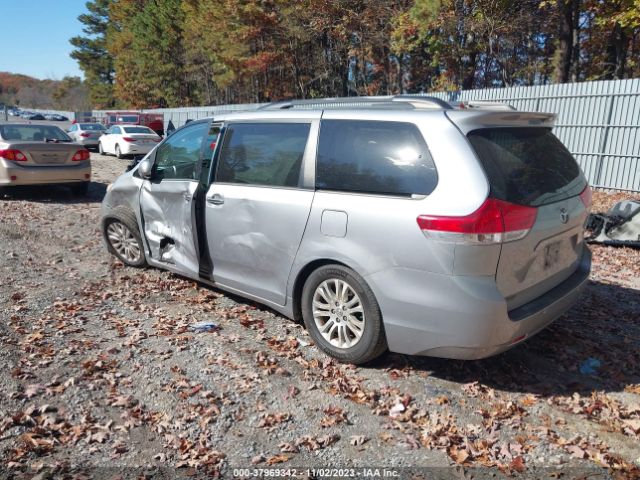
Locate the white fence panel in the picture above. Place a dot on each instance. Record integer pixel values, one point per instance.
(599, 122)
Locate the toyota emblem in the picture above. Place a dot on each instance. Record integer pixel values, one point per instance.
(564, 216)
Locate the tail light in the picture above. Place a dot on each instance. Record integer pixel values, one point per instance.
(81, 155)
(129, 139)
(495, 221)
(85, 135)
(157, 140)
(13, 155)
(587, 197)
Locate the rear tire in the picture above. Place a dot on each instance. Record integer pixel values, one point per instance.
(100, 149)
(122, 236)
(80, 189)
(342, 315)
(118, 152)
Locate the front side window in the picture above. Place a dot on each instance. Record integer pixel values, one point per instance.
(177, 158)
(267, 154)
(379, 157)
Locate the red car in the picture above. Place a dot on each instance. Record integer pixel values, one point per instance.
(155, 121)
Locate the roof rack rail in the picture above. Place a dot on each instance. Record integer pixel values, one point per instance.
(483, 104)
(416, 101)
(423, 100)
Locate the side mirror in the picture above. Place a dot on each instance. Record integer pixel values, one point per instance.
(146, 168)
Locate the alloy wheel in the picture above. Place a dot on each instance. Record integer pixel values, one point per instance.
(338, 313)
(123, 242)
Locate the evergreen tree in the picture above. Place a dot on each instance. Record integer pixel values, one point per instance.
(92, 55)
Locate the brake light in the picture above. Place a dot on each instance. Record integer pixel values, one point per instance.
(13, 155)
(81, 155)
(85, 135)
(587, 197)
(495, 221)
(129, 139)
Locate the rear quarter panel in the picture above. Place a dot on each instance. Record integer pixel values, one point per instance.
(382, 231)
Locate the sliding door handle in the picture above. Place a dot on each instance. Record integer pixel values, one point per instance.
(215, 199)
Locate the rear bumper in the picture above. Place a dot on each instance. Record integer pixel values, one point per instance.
(30, 175)
(464, 317)
(130, 149)
(89, 142)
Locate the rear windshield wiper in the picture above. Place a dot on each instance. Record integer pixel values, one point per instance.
(55, 140)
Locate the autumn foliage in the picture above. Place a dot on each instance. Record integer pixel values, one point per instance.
(167, 53)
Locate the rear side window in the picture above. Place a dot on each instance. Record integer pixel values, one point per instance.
(527, 166)
(389, 158)
(267, 154)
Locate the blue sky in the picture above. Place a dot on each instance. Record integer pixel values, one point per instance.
(35, 37)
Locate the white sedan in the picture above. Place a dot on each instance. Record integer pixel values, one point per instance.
(122, 140)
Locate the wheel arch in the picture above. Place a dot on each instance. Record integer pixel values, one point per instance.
(301, 278)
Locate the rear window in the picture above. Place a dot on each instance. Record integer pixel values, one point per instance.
(34, 133)
(137, 130)
(389, 158)
(91, 126)
(527, 166)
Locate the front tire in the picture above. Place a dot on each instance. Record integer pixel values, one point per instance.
(342, 315)
(123, 239)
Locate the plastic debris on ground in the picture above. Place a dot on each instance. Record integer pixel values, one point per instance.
(205, 326)
(590, 366)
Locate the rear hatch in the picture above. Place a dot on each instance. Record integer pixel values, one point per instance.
(142, 138)
(91, 134)
(529, 166)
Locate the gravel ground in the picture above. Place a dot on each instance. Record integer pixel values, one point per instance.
(103, 376)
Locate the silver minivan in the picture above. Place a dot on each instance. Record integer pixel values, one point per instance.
(396, 223)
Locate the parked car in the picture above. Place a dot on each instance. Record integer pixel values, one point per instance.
(34, 116)
(56, 117)
(42, 154)
(413, 226)
(126, 140)
(87, 134)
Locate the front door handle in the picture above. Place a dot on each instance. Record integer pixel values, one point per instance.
(215, 199)
(187, 197)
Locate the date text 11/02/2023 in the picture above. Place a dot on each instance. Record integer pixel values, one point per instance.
(315, 473)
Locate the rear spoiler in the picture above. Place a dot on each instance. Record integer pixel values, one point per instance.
(473, 119)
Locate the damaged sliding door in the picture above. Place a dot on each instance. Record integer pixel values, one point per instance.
(167, 201)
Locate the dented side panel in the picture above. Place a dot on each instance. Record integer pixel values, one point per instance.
(254, 237)
(167, 217)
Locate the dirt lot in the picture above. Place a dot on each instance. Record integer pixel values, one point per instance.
(103, 376)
